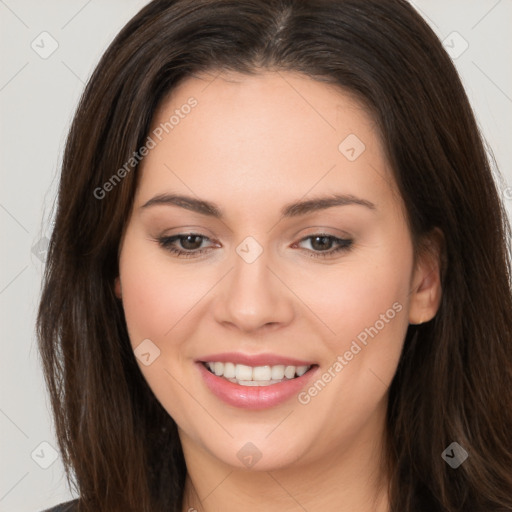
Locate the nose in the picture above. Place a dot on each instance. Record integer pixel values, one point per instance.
(254, 297)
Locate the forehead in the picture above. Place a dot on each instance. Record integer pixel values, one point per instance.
(273, 134)
(262, 103)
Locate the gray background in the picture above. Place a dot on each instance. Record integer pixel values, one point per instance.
(37, 100)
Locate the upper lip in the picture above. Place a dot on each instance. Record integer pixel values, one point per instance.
(254, 359)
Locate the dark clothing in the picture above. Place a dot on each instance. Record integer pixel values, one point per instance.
(69, 506)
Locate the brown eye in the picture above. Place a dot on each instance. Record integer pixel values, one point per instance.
(189, 244)
(322, 245)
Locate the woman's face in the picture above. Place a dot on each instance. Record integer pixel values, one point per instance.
(301, 262)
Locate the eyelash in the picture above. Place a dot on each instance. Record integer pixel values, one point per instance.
(344, 245)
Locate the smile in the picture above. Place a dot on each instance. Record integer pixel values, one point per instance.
(254, 387)
(244, 375)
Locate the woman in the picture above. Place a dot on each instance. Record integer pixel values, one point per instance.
(277, 234)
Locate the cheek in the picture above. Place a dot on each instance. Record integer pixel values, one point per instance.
(156, 295)
(362, 304)
(366, 307)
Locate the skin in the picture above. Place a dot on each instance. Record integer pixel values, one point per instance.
(251, 145)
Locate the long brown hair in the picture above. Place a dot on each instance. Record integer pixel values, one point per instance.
(454, 379)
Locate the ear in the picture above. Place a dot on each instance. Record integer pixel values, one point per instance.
(426, 289)
(117, 287)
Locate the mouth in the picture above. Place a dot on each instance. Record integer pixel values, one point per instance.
(255, 387)
(266, 375)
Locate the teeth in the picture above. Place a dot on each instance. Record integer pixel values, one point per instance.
(289, 372)
(262, 373)
(218, 368)
(301, 370)
(229, 370)
(257, 375)
(278, 372)
(242, 372)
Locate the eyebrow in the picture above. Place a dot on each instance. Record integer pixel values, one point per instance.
(294, 209)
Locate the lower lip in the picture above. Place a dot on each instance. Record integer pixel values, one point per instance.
(254, 397)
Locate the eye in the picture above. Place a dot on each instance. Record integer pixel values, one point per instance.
(322, 245)
(190, 243)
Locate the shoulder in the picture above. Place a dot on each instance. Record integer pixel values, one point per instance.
(69, 506)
